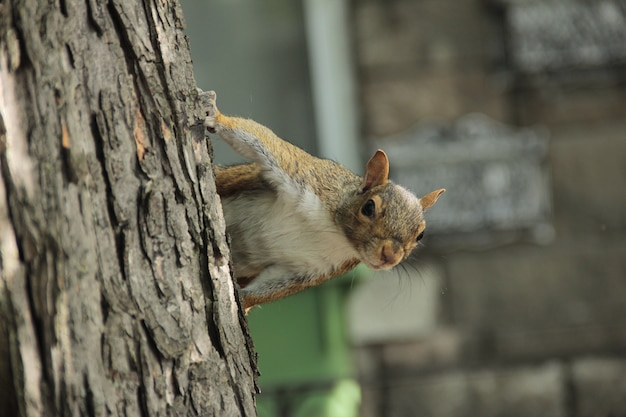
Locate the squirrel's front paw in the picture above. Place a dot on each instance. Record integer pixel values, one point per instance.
(212, 112)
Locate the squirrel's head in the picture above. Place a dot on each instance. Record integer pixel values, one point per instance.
(384, 221)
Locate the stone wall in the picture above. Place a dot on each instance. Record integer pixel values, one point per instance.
(519, 329)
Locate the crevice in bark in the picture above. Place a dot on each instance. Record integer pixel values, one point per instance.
(94, 16)
(9, 401)
(63, 8)
(160, 145)
(143, 396)
(253, 356)
(8, 182)
(142, 227)
(89, 398)
(70, 55)
(105, 308)
(140, 84)
(207, 287)
(198, 220)
(25, 60)
(120, 243)
(63, 409)
(67, 167)
(154, 38)
(36, 282)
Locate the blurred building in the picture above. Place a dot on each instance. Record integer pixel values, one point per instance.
(522, 321)
(518, 328)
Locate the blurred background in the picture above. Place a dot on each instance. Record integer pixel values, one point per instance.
(516, 303)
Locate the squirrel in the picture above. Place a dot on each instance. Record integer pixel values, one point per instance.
(296, 221)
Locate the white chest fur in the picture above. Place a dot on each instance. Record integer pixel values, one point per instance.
(293, 234)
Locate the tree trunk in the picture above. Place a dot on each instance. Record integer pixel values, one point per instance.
(115, 289)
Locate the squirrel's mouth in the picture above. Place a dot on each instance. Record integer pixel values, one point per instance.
(381, 265)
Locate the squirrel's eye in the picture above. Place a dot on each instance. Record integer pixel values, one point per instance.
(368, 208)
(419, 237)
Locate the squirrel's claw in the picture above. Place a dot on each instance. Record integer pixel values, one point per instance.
(212, 112)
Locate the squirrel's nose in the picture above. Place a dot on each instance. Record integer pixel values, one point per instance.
(389, 254)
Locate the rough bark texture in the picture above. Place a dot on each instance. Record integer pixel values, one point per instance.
(115, 289)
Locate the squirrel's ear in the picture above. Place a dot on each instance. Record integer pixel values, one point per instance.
(376, 171)
(431, 198)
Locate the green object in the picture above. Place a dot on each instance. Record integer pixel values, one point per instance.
(304, 357)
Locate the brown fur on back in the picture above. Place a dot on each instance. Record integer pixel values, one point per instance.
(232, 180)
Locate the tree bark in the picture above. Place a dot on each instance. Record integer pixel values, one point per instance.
(115, 289)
